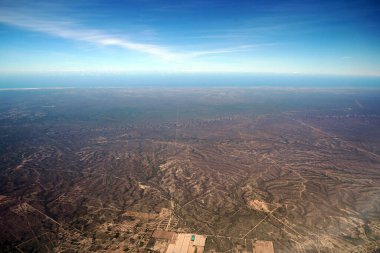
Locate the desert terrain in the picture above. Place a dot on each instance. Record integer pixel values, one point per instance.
(99, 170)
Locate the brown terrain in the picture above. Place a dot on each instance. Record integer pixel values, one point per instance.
(298, 169)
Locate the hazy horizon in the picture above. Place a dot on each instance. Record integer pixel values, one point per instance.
(186, 80)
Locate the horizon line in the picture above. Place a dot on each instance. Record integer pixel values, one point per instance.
(181, 72)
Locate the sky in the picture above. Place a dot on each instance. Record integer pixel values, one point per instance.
(194, 36)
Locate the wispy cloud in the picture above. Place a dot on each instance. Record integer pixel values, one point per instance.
(69, 30)
(73, 31)
(241, 48)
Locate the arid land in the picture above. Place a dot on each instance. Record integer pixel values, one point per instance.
(99, 170)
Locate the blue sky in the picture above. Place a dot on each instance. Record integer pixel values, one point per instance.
(139, 36)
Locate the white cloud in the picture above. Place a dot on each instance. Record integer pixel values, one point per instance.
(69, 31)
(72, 31)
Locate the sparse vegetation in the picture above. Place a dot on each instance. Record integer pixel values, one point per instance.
(237, 170)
